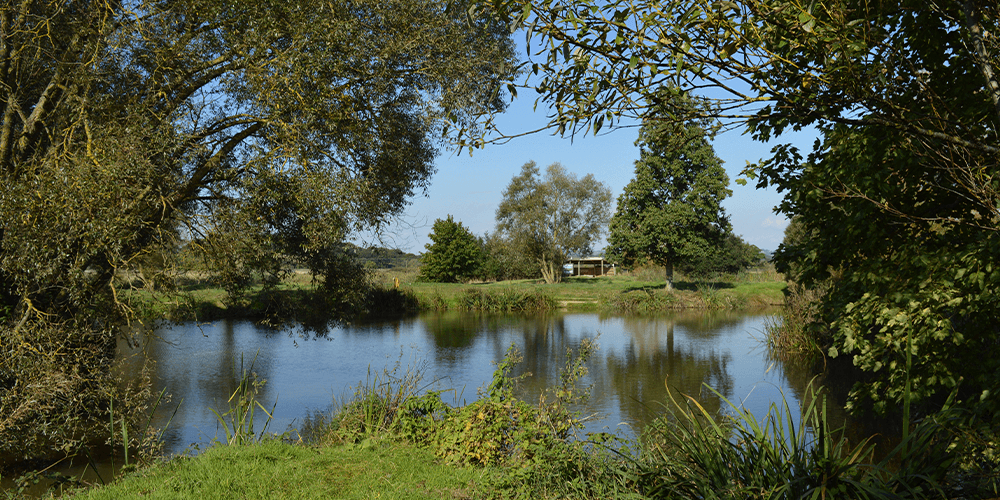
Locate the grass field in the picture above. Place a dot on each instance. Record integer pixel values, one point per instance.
(749, 289)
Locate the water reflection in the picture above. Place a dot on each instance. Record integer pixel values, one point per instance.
(639, 360)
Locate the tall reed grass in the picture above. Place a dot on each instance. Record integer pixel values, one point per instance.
(691, 455)
(795, 331)
(238, 420)
(505, 300)
(639, 301)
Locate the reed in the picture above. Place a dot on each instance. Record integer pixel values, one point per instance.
(643, 301)
(691, 455)
(238, 420)
(373, 410)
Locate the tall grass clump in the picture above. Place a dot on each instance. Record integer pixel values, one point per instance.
(710, 296)
(505, 300)
(238, 420)
(374, 410)
(389, 300)
(639, 301)
(691, 455)
(795, 331)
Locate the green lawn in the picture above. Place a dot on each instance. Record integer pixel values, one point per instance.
(274, 470)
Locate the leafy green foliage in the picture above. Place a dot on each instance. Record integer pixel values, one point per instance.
(265, 133)
(454, 254)
(552, 216)
(504, 261)
(671, 212)
(500, 429)
(893, 284)
(730, 256)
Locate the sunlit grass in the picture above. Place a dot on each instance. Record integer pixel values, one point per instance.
(274, 469)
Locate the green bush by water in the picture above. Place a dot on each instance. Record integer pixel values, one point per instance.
(691, 455)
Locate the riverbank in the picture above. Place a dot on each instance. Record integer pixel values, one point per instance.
(399, 292)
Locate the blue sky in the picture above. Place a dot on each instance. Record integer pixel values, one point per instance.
(470, 187)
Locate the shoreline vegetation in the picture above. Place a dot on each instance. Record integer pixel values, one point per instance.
(392, 439)
(399, 291)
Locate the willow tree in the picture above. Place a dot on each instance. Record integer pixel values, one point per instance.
(549, 217)
(264, 131)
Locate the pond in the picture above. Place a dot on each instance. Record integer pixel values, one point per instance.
(638, 357)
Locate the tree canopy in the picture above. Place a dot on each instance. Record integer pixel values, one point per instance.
(671, 212)
(262, 132)
(454, 253)
(552, 216)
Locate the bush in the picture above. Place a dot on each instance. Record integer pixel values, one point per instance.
(503, 262)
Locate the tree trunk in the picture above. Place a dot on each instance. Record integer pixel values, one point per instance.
(670, 277)
(548, 271)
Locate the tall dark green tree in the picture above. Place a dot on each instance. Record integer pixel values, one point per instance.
(671, 212)
(265, 131)
(453, 255)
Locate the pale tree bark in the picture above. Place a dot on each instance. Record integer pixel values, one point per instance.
(670, 276)
(549, 270)
(981, 54)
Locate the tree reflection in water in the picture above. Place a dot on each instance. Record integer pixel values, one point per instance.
(638, 358)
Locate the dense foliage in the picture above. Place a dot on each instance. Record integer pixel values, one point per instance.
(453, 255)
(503, 260)
(730, 256)
(263, 132)
(900, 194)
(671, 212)
(552, 216)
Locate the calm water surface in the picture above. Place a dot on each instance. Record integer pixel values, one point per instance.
(305, 372)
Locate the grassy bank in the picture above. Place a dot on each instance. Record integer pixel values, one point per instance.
(273, 469)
